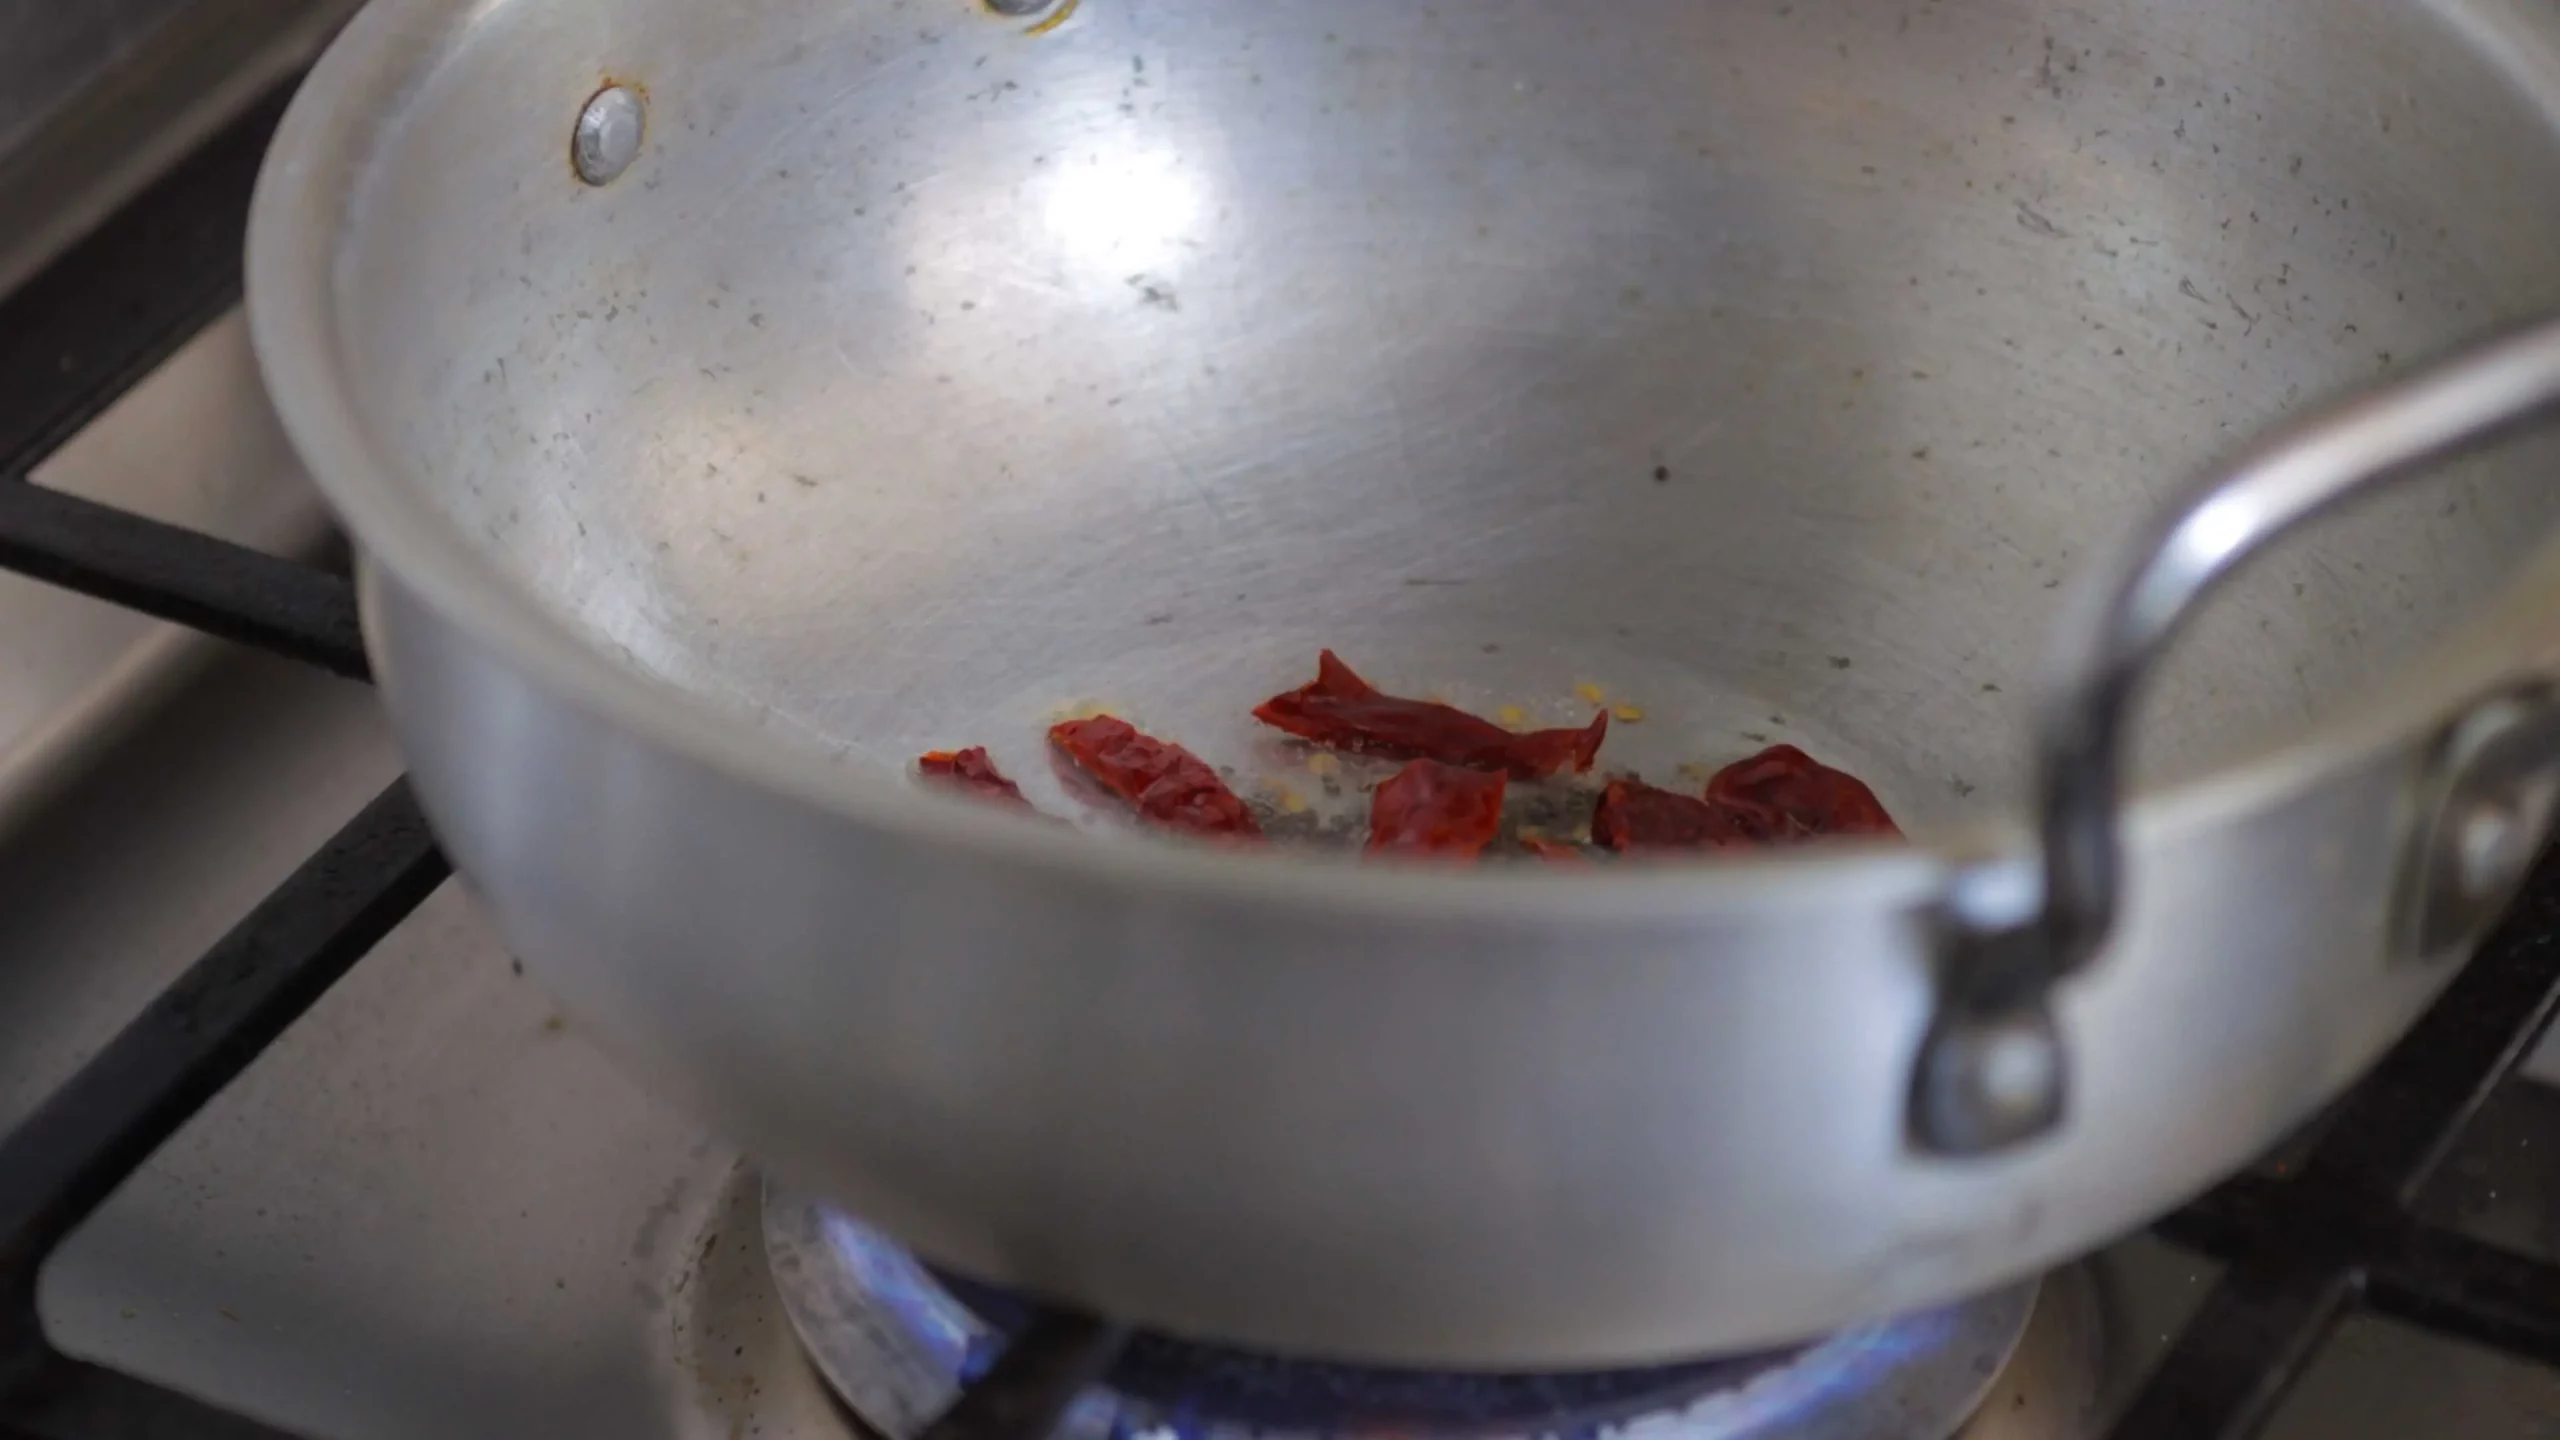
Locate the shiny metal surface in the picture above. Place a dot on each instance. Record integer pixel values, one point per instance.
(608, 134)
(927, 374)
(2166, 571)
(295, 1253)
(436, 1210)
(2497, 774)
(1993, 1072)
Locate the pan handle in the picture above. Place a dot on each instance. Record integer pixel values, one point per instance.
(1993, 1071)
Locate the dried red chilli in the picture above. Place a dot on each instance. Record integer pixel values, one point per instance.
(1814, 798)
(1776, 797)
(971, 772)
(1428, 808)
(1449, 803)
(1634, 816)
(1167, 785)
(1345, 712)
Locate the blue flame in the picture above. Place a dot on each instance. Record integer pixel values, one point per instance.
(1825, 1390)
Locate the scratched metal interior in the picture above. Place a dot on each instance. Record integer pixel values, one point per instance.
(1768, 366)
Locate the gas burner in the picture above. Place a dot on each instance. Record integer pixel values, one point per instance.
(898, 1341)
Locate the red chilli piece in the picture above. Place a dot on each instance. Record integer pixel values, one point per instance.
(1345, 712)
(971, 773)
(1166, 784)
(1634, 816)
(1814, 798)
(1554, 852)
(1428, 808)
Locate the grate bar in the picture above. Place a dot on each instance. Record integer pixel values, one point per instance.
(74, 1400)
(212, 585)
(2306, 1248)
(2468, 1289)
(190, 1041)
(2223, 1222)
(73, 340)
(2391, 1132)
(2238, 1358)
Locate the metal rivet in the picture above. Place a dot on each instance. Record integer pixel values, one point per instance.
(608, 135)
(1986, 1083)
(2018, 1071)
(2491, 849)
(2488, 790)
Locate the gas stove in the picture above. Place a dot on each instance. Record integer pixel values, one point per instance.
(290, 1146)
(902, 1344)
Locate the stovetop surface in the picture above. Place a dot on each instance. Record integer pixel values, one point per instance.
(430, 1209)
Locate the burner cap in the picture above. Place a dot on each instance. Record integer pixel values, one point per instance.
(1269, 1392)
(897, 1341)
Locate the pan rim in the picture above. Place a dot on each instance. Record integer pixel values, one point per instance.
(304, 187)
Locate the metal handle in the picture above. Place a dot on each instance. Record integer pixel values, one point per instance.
(1993, 1071)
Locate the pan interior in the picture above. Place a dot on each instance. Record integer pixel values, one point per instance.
(1768, 366)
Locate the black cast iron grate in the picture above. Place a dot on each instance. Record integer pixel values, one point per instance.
(2334, 1235)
